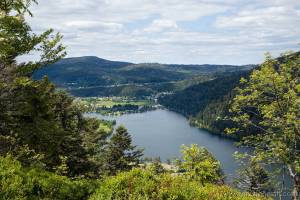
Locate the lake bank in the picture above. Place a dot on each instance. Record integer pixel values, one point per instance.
(162, 132)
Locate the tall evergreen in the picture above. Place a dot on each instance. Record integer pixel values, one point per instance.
(38, 124)
(121, 154)
(252, 176)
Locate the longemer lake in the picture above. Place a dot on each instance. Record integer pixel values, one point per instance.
(162, 132)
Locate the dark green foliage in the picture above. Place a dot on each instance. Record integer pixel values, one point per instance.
(253, 177)
(135, 90)
(121, 108)
(84, 71)
(120, 154)
(127, 90)
(147, 73)
(48, 124)
(214, 116)
(18, 183)
(206, 104)
(39, 125)
(93, 71)
(212, 69)
(194, 99)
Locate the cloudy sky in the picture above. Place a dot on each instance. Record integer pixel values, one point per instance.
(173, 31)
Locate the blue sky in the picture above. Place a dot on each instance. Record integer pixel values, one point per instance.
(173, 31)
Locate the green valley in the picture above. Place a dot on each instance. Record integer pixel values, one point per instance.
(92, 76)
(116, 105)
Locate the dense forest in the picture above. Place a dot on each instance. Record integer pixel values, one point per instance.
(139, 91)
(206, 104)
(91, 76)
(92, 71)
(196, 97)
(50, 150)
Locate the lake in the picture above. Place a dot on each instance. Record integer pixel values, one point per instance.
(162, 132)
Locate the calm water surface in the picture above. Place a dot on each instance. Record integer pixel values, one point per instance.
(162, 132)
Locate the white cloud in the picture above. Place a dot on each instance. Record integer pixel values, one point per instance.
(161, 25)
(90, 25)
(275, 19)
(189, 31)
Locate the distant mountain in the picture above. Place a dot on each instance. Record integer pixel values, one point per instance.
(93, 71)
(89, 71)
(81, 71)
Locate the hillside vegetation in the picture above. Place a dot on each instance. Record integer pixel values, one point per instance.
(139, 184)
(207, 103)
(92, 76)
(92, 71)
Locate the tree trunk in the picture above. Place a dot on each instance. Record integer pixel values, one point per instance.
(296, 188)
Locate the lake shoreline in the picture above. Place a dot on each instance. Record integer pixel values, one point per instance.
(161, 133)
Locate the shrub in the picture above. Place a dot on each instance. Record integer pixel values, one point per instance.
(17, 182)
(139, 184)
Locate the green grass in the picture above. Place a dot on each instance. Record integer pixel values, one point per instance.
(110, 102)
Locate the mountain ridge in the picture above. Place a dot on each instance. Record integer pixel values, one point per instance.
(94, 71)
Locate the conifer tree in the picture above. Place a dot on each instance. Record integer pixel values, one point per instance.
(121, 154)
(252, 176)
(38, 124)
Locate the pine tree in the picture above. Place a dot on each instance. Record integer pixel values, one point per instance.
(38, 124)
(17, 39)
(252, 176)
(121, 155)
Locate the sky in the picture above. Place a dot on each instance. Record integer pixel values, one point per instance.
(173, 31)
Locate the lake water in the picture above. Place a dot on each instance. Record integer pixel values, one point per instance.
(162, 132)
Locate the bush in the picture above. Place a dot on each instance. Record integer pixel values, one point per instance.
(198, 164)
(139, 185)
(20, 183)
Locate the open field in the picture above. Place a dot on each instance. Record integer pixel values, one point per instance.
(109, 102)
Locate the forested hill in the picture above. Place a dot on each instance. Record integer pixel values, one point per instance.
(93, 71)
(205, 103)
